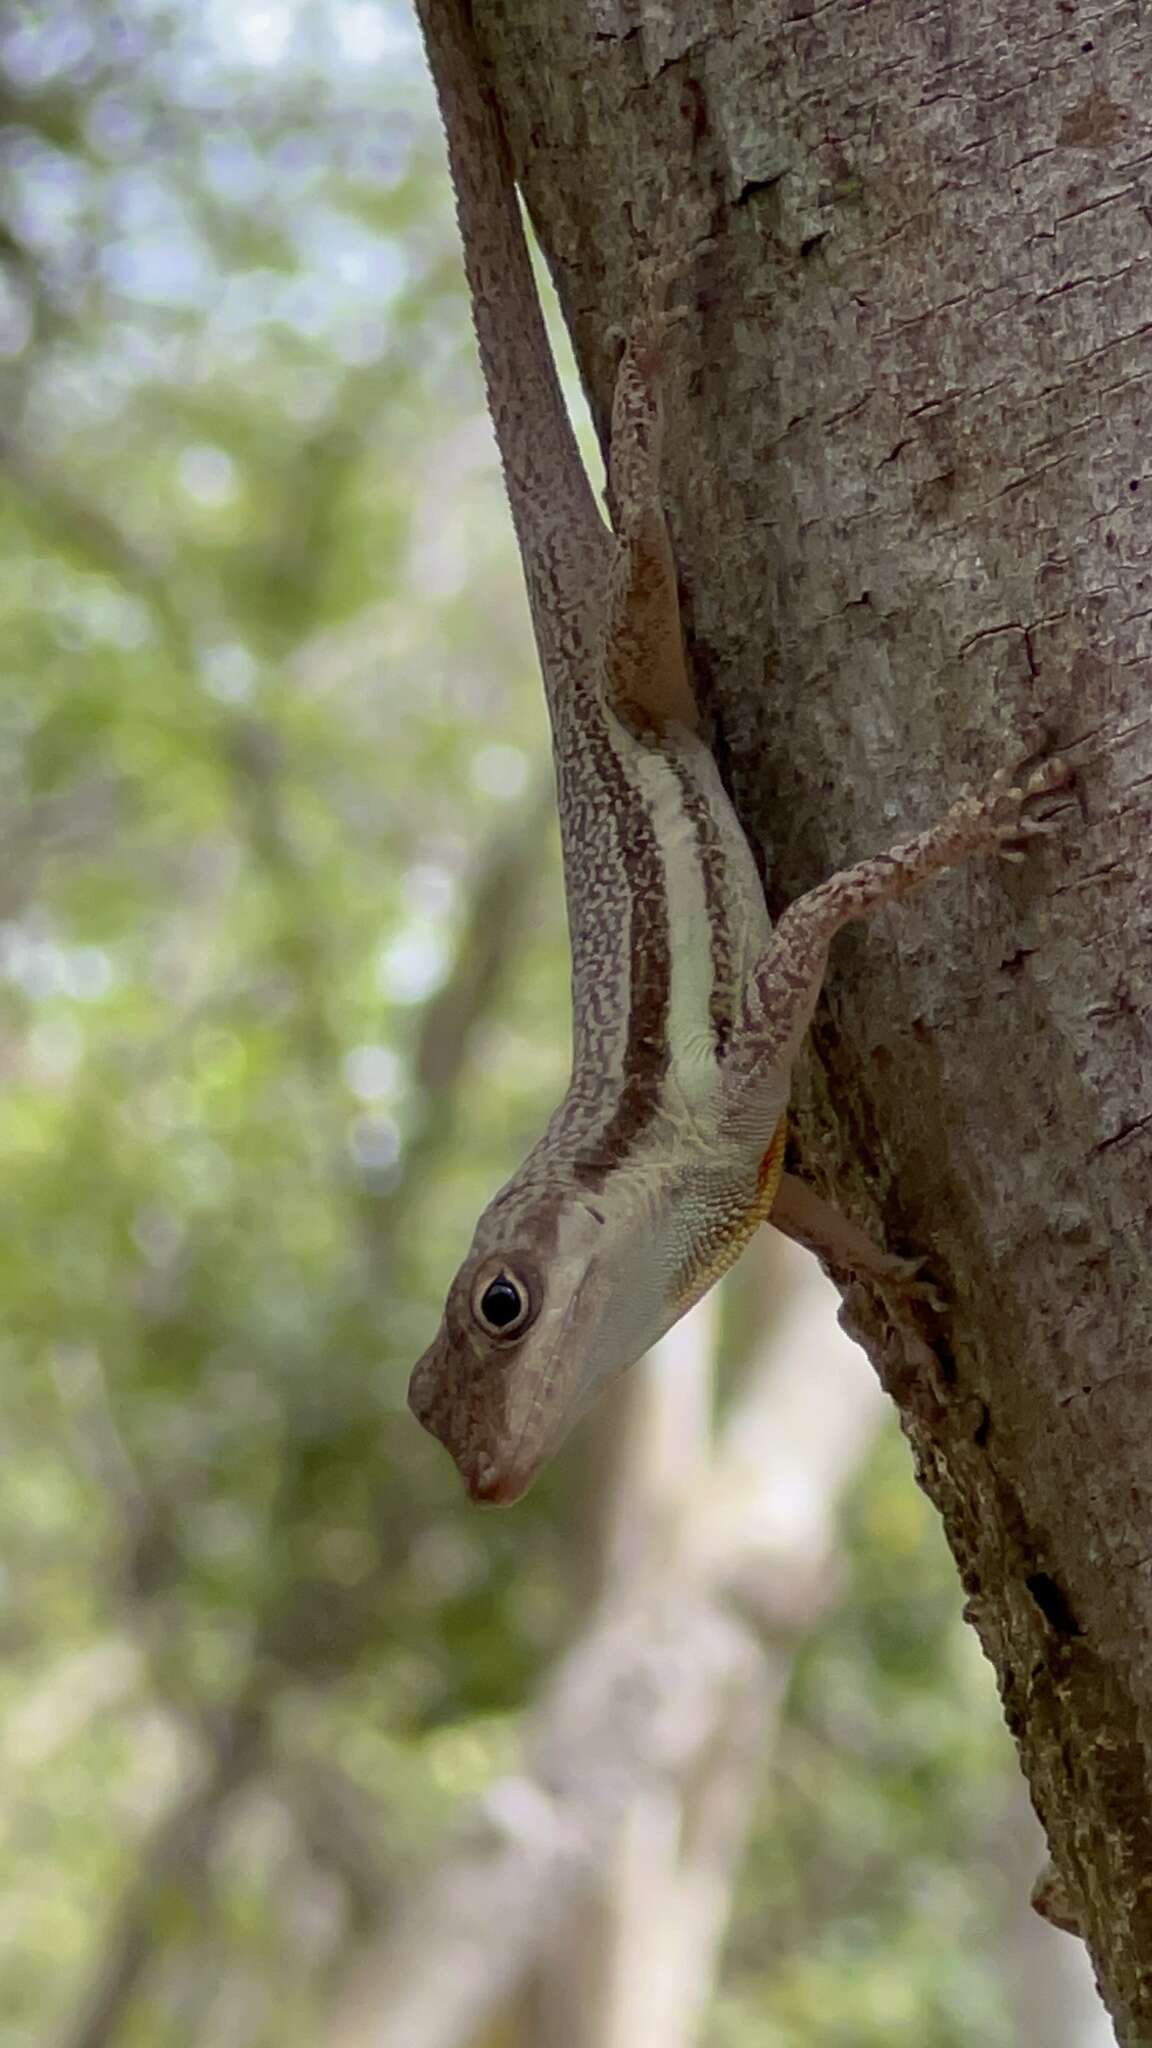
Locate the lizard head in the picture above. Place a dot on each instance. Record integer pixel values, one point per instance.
(548, 1304)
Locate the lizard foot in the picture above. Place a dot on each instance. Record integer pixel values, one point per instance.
(804, 1215)
(907, 1280)
(1023, 804)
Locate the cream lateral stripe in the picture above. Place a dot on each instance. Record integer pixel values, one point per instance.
(692, 1050)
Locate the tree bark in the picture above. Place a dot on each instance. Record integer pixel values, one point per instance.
(908, 485)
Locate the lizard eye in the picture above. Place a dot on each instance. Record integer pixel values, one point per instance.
(502, 1303)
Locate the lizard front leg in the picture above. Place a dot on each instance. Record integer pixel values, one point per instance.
(787, 981)
(784, 985)
(806, 1217)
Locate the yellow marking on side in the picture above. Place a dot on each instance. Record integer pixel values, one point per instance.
(771, 1169)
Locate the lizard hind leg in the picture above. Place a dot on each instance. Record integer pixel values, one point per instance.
(645, 672)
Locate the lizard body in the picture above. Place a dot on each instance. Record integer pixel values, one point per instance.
(688, 1011)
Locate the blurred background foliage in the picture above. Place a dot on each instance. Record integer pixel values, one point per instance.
(283, 984)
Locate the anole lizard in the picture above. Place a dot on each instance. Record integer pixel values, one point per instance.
(688, 1010)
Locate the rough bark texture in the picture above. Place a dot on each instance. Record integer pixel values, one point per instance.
(909, 487)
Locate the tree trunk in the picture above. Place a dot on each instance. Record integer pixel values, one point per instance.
(906, 479)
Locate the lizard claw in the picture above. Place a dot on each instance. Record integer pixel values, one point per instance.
(906, 1277)
(1018, 804)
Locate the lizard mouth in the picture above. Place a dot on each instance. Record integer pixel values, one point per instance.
(502, 1419)
(496, 1475)
(496, 1465)
(499, 1486)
